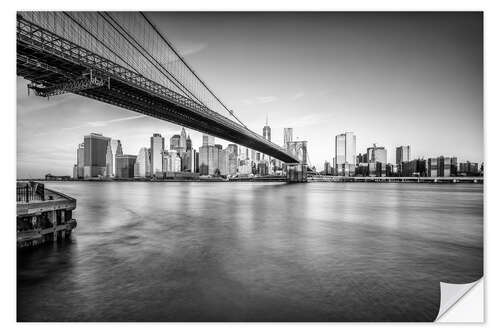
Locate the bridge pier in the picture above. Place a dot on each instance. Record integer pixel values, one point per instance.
(296, 172)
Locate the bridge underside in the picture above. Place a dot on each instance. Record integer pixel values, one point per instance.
(54, 65)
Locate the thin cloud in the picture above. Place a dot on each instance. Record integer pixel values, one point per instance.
(116, 120)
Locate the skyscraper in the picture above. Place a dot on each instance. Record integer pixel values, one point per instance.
(232, 159)
(183, 141)
(287, 136)
(157, 148)
(171, 161)
(125, 165)
(189, 144)
(79, 166)
(208, 140)
(402, 154)
(266, 131)
(208, 157)
(116, 150)
(377, 160)
(142, 164)
(345, 154)
(376, 154)
(175, 142)
(109, 161)
(95, 148)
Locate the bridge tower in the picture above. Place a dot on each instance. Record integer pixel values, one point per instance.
(296, 172)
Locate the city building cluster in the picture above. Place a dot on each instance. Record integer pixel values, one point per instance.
(101, 157)
(374, 163)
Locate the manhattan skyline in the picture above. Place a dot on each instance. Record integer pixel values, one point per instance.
(392, 79)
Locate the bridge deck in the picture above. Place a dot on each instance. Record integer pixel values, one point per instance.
(47, 60)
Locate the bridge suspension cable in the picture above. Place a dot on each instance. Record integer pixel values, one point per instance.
(136, 45)
(167, 42)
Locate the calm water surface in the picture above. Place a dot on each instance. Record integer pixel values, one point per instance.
(255, 252)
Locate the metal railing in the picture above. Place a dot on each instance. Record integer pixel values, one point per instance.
(30, 192)
(41, 39)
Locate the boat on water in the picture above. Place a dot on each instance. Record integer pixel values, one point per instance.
(43, 215)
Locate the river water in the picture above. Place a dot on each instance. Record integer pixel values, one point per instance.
(255, 252)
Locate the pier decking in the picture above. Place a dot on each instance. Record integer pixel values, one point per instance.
(42, 215)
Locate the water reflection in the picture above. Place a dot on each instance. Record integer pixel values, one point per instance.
(255, 251)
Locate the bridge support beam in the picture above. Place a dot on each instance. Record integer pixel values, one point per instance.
(296, 172)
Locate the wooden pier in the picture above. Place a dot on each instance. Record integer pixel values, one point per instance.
(43, 215)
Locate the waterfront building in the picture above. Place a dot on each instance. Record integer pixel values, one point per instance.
(95, 149)
(125, 166)
(209, 157)
(266, 133)
(454, 166)
(390, 170)
(377, 154)
(175, 142)
(245, 168)
(327, 168)
(362, 169)
(469, 169)
(223, 162)
(440, 166)
(232, 159)
(361, 158)
(402, 154)
(79, 166)
(413, 168)
(188, 161)
(287, 136)
(196, 161)
(345, 154)
(156, 154)
(263, 168)
(116, 150)
(142, 163)
(183, 141)
(113, 149)
(432, 167)
(171, 161)
(253, 155)
(109, 161)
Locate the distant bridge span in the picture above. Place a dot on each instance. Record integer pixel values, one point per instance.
(59, 54)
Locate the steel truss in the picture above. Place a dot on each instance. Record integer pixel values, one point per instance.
(55, 65)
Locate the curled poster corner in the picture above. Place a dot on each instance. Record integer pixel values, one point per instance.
(451, 295)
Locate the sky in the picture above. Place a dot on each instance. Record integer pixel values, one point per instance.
(391, 78)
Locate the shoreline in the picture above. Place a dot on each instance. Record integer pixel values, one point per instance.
(314, 179)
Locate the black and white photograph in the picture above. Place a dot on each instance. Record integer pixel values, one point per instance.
(248, 166)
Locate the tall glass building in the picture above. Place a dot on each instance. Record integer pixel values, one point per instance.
(183, 141)
(345, 154)
(232, 159)
(142, 164)
(287, 136)
(79, 166)
(402, 154)
(157, 147)
(209, 157)
(125, 165)
(116, 150)
(95, 149)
